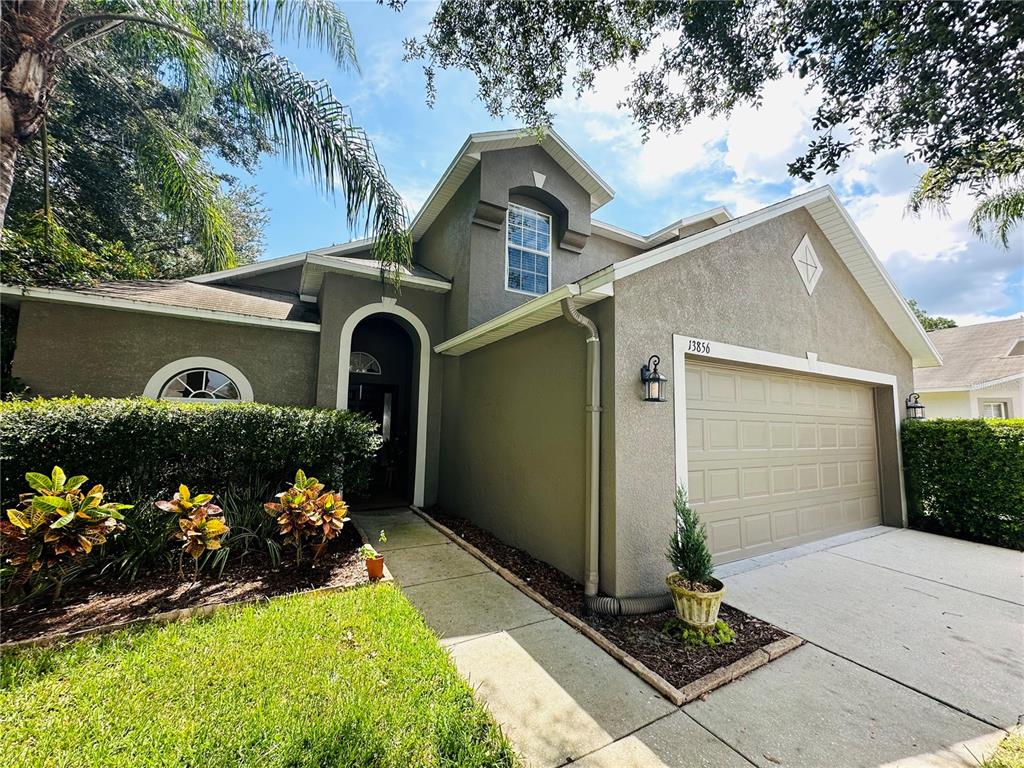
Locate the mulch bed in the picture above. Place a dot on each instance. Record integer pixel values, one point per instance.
(93, 602)
(639, 636)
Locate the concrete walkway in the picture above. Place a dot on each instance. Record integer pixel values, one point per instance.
(842, 700)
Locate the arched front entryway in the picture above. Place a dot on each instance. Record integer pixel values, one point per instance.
(389, 379)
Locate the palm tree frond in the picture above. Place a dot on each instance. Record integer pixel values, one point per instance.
(317, 134)
(188, 191)
(998, 213)
(318, 22)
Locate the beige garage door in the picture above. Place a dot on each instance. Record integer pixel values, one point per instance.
(776, 460)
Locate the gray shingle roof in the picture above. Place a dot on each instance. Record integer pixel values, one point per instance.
(255, 302)
(973, 355)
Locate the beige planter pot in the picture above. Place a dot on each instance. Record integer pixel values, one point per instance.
(698, 609)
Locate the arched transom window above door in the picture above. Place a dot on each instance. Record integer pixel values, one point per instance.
(363, 362)
(200, 379)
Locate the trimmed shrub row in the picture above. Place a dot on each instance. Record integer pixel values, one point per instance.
(141, 448)
(965, 478)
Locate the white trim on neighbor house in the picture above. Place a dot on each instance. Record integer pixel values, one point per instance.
(166, 373)
(706, 349)
(149, 307)
(389, 306)
(975, 387)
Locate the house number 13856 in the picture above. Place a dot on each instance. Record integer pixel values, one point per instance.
(700, 347)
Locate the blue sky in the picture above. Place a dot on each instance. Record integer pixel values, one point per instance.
(739, 162)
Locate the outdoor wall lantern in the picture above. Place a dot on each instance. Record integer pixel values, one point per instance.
(914, 408)
(654, 381)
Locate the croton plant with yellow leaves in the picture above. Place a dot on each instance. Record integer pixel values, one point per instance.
(54, 527)
(201, 527)
(305, 511)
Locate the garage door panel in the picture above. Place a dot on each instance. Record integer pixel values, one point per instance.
(778, 459)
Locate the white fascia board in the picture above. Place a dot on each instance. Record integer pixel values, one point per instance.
(372, 272)
(719, 215)
(996, 382)
(507, 318)
(257, 268)
(660, 255)
(471, 149)
(151, 308)
(866, 247)
(353, 246)
(932, 390)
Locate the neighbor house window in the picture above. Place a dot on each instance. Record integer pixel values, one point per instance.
(200, 384)
(529, 251)
(363, 362)
(993, 410)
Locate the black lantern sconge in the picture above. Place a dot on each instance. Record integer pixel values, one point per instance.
(654, 381)
(915, 410)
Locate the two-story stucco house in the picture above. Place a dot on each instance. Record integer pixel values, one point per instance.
(506, 374)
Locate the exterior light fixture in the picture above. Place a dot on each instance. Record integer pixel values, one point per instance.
(915, 410)
(654, 381)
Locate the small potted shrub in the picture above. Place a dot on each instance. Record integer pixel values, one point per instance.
(697, 594)
(374, 560)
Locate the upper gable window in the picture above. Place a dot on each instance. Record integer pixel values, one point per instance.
(528, 261)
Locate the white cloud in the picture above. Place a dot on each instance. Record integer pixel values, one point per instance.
(975, 319)
(761, 142)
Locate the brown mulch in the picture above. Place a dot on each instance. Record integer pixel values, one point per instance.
(93, 602)
(639, 636)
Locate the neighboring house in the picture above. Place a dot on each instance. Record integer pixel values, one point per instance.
(506, 374)
(982, 372)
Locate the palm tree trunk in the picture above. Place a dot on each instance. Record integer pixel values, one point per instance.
(29, 61)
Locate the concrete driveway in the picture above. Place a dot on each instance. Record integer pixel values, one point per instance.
(913, 658)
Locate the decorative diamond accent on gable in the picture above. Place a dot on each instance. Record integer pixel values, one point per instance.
(539, 179)
(807, 264)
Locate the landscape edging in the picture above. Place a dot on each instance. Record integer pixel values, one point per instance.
(178, 614)
(678, 696)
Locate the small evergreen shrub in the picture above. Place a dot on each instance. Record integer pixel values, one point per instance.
(688, 548)
(965, 478)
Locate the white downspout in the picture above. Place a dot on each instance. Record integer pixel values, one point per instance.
(593, 447)
(593, 600)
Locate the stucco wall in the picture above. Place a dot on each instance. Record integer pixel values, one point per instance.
(743, 290)
(513, 453)
(968, 405)
(340, 296)
(946, 405)
(505, 170)
(66, 349)
(444, 248)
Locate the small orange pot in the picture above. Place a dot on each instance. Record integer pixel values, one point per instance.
(375, 568)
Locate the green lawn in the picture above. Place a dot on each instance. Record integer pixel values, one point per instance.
(346, 679)
(1010, 753)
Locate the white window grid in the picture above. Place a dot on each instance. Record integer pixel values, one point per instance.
(527, 251)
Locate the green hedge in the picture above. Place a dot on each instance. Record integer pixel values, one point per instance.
(965, 478)
(140, 448)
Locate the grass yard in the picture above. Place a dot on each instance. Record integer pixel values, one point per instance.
(344, 679)
(1010, 753)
